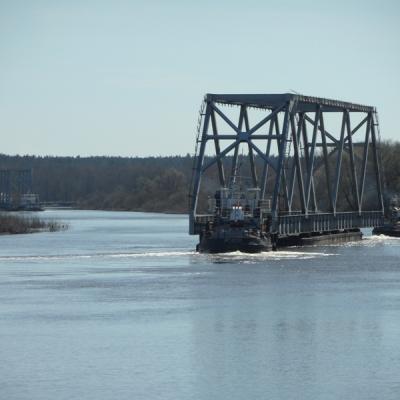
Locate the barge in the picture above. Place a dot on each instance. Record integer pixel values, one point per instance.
(241, 222)
(292, 149)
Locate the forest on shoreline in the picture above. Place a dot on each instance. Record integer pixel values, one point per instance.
(153, 184)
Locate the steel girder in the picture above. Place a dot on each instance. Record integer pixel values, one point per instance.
(295, 126)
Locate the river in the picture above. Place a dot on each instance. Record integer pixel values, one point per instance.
(119, 306)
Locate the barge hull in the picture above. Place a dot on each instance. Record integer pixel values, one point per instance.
(320, 239)
(258, 245)
(388, 230)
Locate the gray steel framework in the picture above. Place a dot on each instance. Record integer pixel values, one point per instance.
(292, 123)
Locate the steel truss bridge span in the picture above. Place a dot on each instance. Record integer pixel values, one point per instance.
(308, 155)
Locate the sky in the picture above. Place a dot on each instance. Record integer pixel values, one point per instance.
(126, 78)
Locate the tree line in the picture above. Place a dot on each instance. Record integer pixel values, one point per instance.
(155, 184)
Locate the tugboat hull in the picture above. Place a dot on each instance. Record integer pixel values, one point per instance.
(244, 245)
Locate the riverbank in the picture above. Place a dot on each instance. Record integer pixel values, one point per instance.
(17, 224)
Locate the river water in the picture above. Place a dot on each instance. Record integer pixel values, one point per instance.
(120, 307)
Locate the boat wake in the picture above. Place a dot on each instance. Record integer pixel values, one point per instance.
(271, 255)
(372, 240)
(67, 257)
(381, 238)
(233, 256)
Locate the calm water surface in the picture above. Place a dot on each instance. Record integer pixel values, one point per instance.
(120, 307)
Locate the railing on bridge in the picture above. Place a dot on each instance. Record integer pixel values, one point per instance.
(296, 224)
(300, 223)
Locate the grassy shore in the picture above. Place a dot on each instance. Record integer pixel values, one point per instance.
(13, 224)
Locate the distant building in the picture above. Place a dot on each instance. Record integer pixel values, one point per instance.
(29, 200)
(16, 190)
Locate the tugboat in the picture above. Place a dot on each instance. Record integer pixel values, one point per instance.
(237, 222)
(392, 227)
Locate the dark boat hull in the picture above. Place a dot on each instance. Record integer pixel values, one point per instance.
(244, 245)
(257, 244)
(388, 230)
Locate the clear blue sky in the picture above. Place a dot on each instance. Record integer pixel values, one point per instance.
(127, 77)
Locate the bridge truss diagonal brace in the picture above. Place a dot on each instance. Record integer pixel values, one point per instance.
(326, 163)
(250, 149)
(280, 166)
(221, 172)
(325, 134)
(236, 153)
(311, 158)
(365, 158)
(297, 168)
(352, 163)
(243, 118)
(274, 125)
(376, 161)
